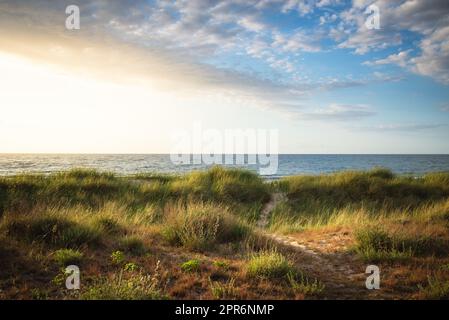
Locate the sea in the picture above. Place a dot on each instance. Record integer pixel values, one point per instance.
(288, 164)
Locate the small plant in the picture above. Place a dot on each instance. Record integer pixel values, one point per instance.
(223, 291)
(131, 267)
(38, 294)
(133, 245)
(191, 265)
(377, 245)
(202, 226)
(268, 264)
(221, 265)
(60, 278)
(65, 257)
(302, 284)
(135, 287)
(109, 225)
(436, 289)
(445, 267)
(117, 257)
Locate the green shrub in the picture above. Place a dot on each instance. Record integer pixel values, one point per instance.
(202, 226)
(221, 264)
(131, 267)
(117, 257)
(65, 257)
(268, 264)
(191, 266)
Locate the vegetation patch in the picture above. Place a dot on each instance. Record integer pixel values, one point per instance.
(132, 245)
(65, 257)
(53, 231)
(269, 264)
(134, 287)
(202, 226)
(191, 265)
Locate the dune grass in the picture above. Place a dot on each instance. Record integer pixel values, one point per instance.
(269, 264)
(357, 198)
(48, 221)
(201, 226)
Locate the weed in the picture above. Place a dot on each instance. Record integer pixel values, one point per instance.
(191, 266)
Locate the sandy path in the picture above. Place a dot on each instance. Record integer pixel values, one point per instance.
(338, 269)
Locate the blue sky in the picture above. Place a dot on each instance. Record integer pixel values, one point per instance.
(308, 68)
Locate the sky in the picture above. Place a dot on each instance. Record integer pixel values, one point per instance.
(137, 71)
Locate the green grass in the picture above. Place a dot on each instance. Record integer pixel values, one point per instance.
(52, 230)
(132, 245)
(191, 265)
(65, 257)
(200, 226)
(109, 225)
(375, 244)
(135, 287)
(117, 257)
(225, 290)
(358, 199)
(435, 289)
(304, 285)
(268, 264)
(221, 265)
(94, 189)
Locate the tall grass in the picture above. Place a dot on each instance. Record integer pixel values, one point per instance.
(201, 226)
(357, 199)
(94, 189)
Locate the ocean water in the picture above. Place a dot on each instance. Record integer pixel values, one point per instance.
(287, 164)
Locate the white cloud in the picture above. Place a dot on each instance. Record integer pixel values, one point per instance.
(400, 59)
(427, 18)
(340, 112)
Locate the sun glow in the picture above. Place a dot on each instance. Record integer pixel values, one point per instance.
(48, 109)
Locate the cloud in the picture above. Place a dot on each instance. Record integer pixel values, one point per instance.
(401, 59)
(339, 112)
(304, 7)
(428, 19)
(403, 127)
(445, 108)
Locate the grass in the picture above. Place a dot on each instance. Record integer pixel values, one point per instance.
(268, 264)
(191, 265)
(225, 290)
(47, 221)
(132, 245)
(135, 287)
(52, 230)
(117, 257)
(436, 289)
(200, 226)
(65, 257)
(355, 197)
(304, 285)
(378, 245)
